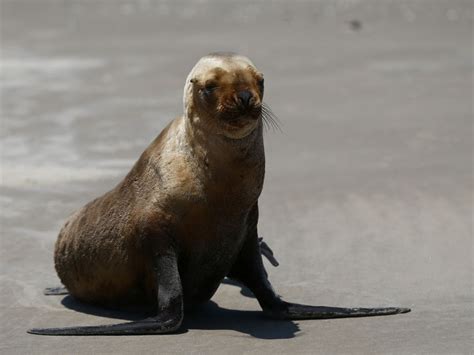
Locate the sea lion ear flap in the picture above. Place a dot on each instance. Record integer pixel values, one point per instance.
(193, 80)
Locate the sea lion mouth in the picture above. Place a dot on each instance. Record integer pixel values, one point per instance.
(237, 122)
(237, 115)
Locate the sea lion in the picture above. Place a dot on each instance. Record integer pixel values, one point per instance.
(185, 217)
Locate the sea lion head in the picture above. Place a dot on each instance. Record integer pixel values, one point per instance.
(223, 94)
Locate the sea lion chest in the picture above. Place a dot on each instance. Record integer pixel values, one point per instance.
(212, 201)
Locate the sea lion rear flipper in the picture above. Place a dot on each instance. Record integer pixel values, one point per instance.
(55, 291)
(267, 252)
(249, 270)
(170, 308)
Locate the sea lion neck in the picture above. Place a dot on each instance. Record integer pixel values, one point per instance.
(208, 144)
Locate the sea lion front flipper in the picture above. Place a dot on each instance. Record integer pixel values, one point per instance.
(170, 308)
(249, 270)
(55, 291)
(294, 311)
(153, 325)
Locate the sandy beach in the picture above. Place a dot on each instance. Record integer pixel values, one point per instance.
(368, 197)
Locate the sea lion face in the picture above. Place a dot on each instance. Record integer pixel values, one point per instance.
(225, 91)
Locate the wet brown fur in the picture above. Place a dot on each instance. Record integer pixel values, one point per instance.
(195, 186)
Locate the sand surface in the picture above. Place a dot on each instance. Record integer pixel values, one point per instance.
(368, 192)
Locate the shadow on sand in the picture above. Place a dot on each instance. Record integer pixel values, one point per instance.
(208, 316)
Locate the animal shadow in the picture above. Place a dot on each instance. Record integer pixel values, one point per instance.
(209, 316)
(213, 317)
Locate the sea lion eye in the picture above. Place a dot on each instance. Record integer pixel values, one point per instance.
(260, 84)
(209, 88)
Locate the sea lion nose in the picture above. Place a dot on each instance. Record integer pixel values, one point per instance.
(244, 97)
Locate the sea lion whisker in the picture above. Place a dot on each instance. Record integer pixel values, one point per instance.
(270, 118)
